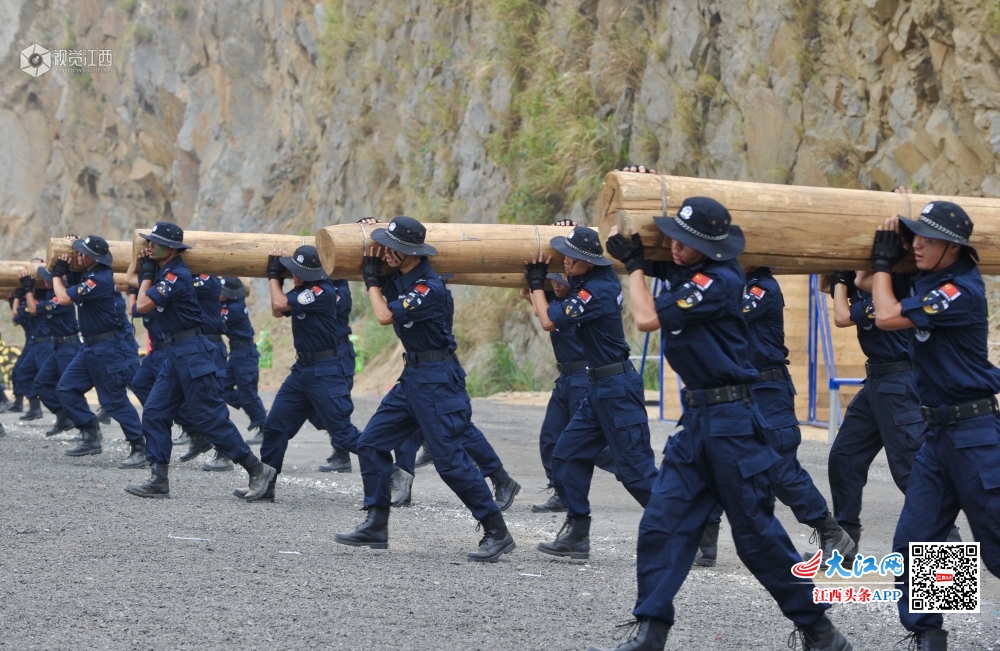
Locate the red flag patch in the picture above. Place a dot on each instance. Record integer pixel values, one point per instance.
(584, 295)
(421, 289)
(170, 277)
(950, 291)
(317, 290)
(754, 291)
(702, 281)
(91, 283)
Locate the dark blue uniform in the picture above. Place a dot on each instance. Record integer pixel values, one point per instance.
(613, 413)
(191, 374)
(107, 360)
(885, 413)
(430, 395)
(319, 386)
(720, 456)
(243, 366)
(152, 363)
(65, 333)
(958, 466)
(34, 356)
(26, 324)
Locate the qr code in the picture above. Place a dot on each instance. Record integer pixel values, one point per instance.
(944, 577)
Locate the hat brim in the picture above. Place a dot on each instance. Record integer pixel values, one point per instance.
(911, 227)
(724, 249)
(559, 244)
(381, 235)
(234, 294)
(162, 241)
(81, 247)
(557, 279)
(45, 274)
(305, 273)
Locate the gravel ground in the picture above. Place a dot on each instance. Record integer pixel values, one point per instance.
(85, 565)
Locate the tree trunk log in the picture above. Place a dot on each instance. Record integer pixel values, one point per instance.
(11, 270)
(121, 253)
(798, 229)
(229, 254)
(7, 287)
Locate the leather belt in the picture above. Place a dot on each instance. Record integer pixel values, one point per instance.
(180, 335)
(876, 370)
(954, 413)
(343, 340)
(717, 396)
(428, 356)
(611, 369)
(41, 340)
(239, 343)
(67, 339)
(310, 358)
(214, 338)
(571, 367)
(771, 374)
(96, 339)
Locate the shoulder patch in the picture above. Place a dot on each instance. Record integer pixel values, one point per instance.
(702, 281)
(204, 276)
(938, 300)
(584, 295)
(225, 312)
(317, 290)
(757, 291)
(421, 289)
(573, 308)
(171, 277)
(306, 297)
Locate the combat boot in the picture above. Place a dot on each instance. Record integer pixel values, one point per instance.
(372, 533)
(496, 540)
(552, 505)
(183, 438)
(339, 461)
(199, 445)
(34, 410)
(137, 455)
(651, 635)
(268, 495)
(829, 536)
(504, 488)
(424, 458)
(257, 436)
(17, 406)
(573, 539)
(156, 487)
(103, 417)
(62, 424)
(821, 636)
(219, 463)
(854, 531)
(90, 442)
(708, 548)
(933, 639)
(400, 486)
(261, 475)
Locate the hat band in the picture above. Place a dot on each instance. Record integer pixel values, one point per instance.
(936, 226)
(694, 231)
(94, 254)
(403, 242)
(166, 239)
(592, 255)
(305, 268)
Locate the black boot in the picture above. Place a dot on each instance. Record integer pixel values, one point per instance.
(102, 416)
(496, 541)
(17, 406)
(261, 475)
(199, 445)
(62, 424)
(650, 636)
(157, 486)
(5, 403)
(339, 461)
(573, 540)
(137, 455)
(219, 463)
(504, 488)
(933, 639)
(828, 535)
(424, 458)
(372, 533)
(854, 531)
(90, 442)
(34, 410)
(822, 636)
(552, 505)
(708, 548)
(268, 495)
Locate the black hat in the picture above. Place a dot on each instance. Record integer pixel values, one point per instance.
(582, 243)
(406, 235)
(232, 288)
(94, 247)
(305, 263)
(558, 278)
(168, 235)
(941, 220)
(45, 274)
(705, 225)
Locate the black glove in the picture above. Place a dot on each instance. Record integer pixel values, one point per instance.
(60, 268)
(147, 268)
(887, 251)
(371, 270)
(134, 291)
(274, 267)
(19, 293)
(629, 252)
(845, 278)
(28, 283)
(536, 273)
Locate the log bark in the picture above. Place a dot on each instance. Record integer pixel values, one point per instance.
(121, 252)
(229, 254)
(6, 287)
(799, 229)
(11, 270)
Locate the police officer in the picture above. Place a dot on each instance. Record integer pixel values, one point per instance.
(613, 414)
(720, 456)
(41, 344)
(774, 395)
(317, 385)
(14, 300)
(105, 362)
(430, 395)
(569, 391)
(243, 366)
(957, 466)
(192, 372)
(65, 333)
(340, 459)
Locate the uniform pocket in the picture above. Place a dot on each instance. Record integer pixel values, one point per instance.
(118, 375)
(892, 387)
(722, 426)
(453, 413)
(990, 479)
(579, 380)
(974, 438)
(202, 368)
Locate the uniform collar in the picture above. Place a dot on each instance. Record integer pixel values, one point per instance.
(962, 266)
(758, 273)
(170, 266)
(576, 281)
(422, 270)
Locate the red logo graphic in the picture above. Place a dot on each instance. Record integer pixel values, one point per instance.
(317, 290)
(950, 291)
(701, 280)
(757, 291)
(171, 277)
(421, 289)
(944, 577)
(584, 295)
(808, 569)
(91, 283)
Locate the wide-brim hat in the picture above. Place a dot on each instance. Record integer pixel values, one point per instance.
(558, 279)
(95, 248)
(582, 243)
(941, 220)
(45, 274)
(166, 234)
(705, 225)
(232, 288)
(305, 264)
(405, 235)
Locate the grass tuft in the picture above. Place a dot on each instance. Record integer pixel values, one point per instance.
(501, 372)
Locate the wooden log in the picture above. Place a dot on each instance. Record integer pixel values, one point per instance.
(229, 254)
(121, 252)
(6, 287)
(11, 270)
(797, 228)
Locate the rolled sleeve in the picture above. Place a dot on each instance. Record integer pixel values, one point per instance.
(672, 318)
(913, 309)
(859, 312)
